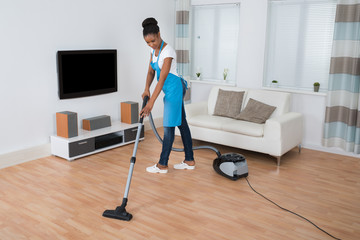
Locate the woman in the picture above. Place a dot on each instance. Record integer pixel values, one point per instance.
(163, 62)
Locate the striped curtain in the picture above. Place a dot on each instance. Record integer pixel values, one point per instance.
(342, 119)
(182, 40)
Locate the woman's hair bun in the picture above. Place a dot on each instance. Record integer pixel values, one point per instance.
(150, 26)
(149, 21)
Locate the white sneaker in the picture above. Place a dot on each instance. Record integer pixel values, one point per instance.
(155, 169)
(183, 165)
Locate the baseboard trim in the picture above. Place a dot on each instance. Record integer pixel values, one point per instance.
(330, 150)
(25, 155)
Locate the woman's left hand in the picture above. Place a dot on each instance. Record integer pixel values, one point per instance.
(147, 109)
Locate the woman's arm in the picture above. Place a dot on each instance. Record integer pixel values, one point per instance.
(149, 79)
(163, 75)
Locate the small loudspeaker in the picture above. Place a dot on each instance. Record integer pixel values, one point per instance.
(96, 122)
(66, 124)
(129, 112)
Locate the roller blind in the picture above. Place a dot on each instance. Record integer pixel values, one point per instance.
(299, 42)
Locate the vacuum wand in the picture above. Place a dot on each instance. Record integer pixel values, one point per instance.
(120, 211)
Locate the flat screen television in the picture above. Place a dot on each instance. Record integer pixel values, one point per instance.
(86, 72)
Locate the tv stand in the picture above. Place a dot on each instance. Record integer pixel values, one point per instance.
(91, 142)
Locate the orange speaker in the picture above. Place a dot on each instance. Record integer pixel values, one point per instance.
(129, 112)
(66, 124)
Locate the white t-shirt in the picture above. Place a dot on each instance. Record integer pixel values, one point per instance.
(166, 52)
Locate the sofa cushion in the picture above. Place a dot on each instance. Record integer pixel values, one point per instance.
(256, 112)
(227, 125)
(228, 103)
(207, 121)
(214, 94)
(244, 128)
(280, 100)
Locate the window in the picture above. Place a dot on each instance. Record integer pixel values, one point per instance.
(215, 30)
(299, 42)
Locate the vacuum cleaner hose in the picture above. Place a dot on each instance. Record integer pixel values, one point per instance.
(179, 149)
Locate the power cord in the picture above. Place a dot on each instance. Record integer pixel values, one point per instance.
(291, 211)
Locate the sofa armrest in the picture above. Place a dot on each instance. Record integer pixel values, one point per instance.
(198, 108)
(287, 128)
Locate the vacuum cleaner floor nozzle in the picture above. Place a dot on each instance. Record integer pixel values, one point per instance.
(119, 213)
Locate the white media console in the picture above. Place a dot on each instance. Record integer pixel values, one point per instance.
(90, 142)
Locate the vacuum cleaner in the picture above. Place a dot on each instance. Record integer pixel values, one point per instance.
(230, 165)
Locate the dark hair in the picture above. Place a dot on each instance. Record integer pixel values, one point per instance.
(150, 26)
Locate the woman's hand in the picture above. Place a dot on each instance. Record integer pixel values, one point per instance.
(145, 93)
(147, 109)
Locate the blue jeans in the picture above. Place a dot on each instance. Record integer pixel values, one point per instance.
(168, 140)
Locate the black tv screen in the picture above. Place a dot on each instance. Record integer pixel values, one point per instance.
(86, 72)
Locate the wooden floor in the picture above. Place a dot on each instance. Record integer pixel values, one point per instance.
(51, 198)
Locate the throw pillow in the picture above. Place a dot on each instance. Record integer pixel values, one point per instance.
(228, 103)
(256, 112)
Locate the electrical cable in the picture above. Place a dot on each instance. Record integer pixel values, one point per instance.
(291, 211)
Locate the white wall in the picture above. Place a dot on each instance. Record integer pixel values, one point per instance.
(313, 109)
(33, 31)
(31, 34)
(252, 38)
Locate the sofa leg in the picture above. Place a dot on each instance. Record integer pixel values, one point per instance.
(278, 160)
(299, 146)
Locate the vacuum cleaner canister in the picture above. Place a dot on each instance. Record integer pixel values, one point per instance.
(231, 165)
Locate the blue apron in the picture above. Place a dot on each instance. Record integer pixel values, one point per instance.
(173, 99)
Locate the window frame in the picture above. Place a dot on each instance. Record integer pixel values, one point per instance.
(217, 81)
(266, 83)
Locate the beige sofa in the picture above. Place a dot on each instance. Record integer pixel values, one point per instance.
(280, 133)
